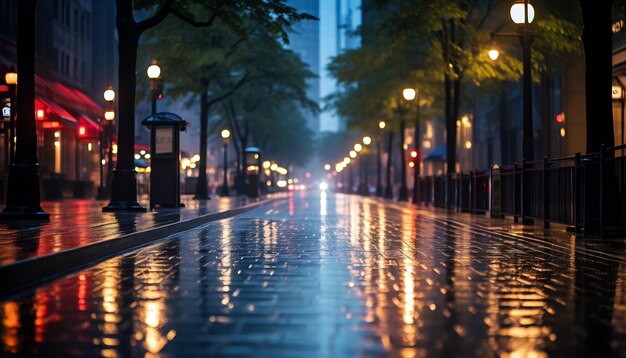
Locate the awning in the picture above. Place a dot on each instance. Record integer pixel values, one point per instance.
(437, 155)
(51, 110)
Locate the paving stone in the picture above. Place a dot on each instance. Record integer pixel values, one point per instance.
(333, 276)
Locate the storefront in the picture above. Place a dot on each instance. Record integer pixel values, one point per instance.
(619, 80)
(68, 139)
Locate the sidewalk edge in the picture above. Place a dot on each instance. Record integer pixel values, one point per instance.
(30, 272)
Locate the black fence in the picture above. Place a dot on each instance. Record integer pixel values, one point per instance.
(585, 192)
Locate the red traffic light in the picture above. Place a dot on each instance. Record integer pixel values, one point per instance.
(159, 95)
(560, 118)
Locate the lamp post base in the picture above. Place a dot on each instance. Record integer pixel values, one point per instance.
(124, 193)
(225, 190)
(102, 194)
(389, 192)
(403, 195)
(23, 195)
(202, 191)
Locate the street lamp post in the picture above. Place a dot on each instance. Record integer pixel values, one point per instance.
(154, 73)
(389, 187)
(365, 190)
(416, 142)
(408, 94)
(379, 185)
(11, 81)
(225, 191)
(23, 200)
(522, 13)
(105, 140)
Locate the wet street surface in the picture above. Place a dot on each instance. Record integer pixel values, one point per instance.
(76, 223)
(332, 275)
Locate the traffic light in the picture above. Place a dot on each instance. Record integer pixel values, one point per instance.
(159, 94)
(413, 157)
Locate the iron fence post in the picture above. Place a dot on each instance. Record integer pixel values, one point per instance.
(601, 189)
(577, 194)
(546, 202)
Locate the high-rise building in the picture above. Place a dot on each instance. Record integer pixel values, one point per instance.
(304, 39)
(339, 21)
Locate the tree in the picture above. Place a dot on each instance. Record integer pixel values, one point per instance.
(235, 14)
(597, 39)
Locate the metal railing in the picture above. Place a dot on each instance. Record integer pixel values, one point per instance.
(585, 192)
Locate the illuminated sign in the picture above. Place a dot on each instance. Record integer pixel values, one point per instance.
(617, 92)
(164, 140)
(6, 112)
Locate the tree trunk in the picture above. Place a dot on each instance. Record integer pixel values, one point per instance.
(597, 41)
(124, 182)
(202, 184)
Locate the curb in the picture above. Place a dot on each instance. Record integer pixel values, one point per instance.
(31, 272)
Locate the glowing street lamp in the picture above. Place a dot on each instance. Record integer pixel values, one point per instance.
(358, 147)
(154, 74)
(409, 94)
(367, 140)
(225, 191)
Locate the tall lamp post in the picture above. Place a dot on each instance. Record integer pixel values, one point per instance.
(379, 185)
(225, 191)
(408, 94)
(154, 74)
(367, 140)
(23, 200)
(523, 13)
(105, 140)
(11, 81)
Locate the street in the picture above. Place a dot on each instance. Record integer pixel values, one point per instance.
(321, 274)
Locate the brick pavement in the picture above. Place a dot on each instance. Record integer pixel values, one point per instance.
(76, 223)
(332, 276)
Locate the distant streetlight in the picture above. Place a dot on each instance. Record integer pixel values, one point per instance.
(11, 80)
(105, 140)
(225, 191)
(494, 54)
(409, 94)
(352, 154)
(358, 147)
(327, 167)
(154, 74)
(367, 140)
(379, 164)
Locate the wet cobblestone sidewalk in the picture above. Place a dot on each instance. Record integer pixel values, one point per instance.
(76, 223)
(331, 276)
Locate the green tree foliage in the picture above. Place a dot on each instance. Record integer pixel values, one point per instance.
(440, 46)
(236, 15)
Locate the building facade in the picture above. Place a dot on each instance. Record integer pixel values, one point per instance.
(75, 60)
(304, 39)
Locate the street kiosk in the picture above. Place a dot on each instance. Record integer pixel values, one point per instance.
(165, 131)
(253, 171)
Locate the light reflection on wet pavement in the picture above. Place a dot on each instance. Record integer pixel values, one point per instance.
(330, 276)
